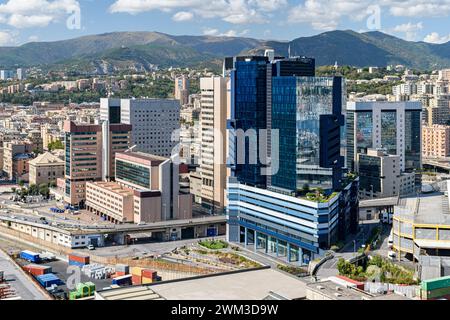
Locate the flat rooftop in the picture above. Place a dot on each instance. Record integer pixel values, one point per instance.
(335, 291)
(430, 208)
(246, 285)
(114, 188)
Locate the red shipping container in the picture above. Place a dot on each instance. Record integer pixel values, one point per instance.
(147, 273)
(79, 258)
(37, 270)
(136, 280)
(119, 274)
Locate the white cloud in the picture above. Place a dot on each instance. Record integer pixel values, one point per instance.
(210, 32)
(328, 14)
(36, 13)
(409, 29)
(7, 38)
(434, 37)
(418, 8)
(229, 33)
(232, 11)
(183, 16)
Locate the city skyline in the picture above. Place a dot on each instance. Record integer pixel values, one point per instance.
(51, 20)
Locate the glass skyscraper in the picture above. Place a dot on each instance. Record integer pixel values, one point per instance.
(249, 100)
(392, 126)
(272, 214)
(307, 111)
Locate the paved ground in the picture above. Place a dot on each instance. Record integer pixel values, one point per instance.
(145, 249)
(24, 288)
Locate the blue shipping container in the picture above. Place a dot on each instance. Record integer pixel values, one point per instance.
(47, 280)
(30, 256)
(76, 263)
(123, 280)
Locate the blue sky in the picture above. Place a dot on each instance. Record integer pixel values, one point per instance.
(22, 21)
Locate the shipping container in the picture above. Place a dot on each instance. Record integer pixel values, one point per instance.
(37, 270)
(123, 268)
(137, 271)
(30, 256)
(76, 263)
(123, 280)
(47, 280)
(81, 258)
(136, 280)
(433, 284)
(147, 273)
(146, 280)
(437, 293)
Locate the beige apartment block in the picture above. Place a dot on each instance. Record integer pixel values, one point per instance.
(213, 116)
(436, 141)
(46, 168)
(110, 200)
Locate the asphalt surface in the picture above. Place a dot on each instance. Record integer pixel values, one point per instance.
(22, 285)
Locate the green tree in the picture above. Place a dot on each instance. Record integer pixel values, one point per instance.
(55, 145)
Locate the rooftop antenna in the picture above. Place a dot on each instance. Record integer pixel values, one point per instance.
(131, 149)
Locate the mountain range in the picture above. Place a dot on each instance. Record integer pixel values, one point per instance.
(118, 51)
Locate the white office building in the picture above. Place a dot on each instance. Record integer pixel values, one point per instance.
(155, 122)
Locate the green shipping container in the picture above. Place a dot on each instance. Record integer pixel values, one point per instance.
(91, 287)
(433, 284)
(433, 294)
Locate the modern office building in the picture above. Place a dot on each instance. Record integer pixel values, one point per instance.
(307, 113)
(393, 126)
(248, 116)
(90, 149)
(436, 141)
(380, 175)
(301, 202)
(155, 181)
(45, 168)
(155, 122)
(213, 169)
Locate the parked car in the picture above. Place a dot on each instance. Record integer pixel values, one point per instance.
(91, 247)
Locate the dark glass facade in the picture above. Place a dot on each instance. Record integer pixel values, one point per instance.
(114, 114)
(412, 140)
(299, 67)
(364, 131)
(250, 98)
(389, 131)
(307, 111)
(370, 173)
(133, 173)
